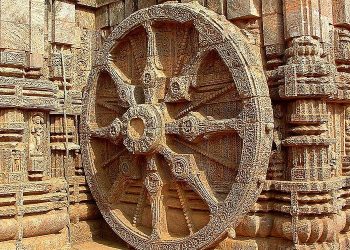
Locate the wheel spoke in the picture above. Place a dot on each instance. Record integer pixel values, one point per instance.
(153, 77)
(139, 207)
(126, 91)
(110, 106)
(195, 126)
(113, 158)
(154, 186)
(184, 168)
(179, 85)
(111, 132)
(191, 68)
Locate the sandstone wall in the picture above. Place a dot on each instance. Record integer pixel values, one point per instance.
(40, 170)
(305, 47)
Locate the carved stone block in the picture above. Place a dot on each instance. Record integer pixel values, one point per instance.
(64, 32)
(243, 9)
(146, 3)
(85, 19)
(102, 18)
(88, 3)
(116, 13)
(273, 29)
(12, 168)
(26, 93)
(13, 58)
(15, 11)
(56, 65)
(216, 5)
(310, 24)
(36, 60)
(37, 27)
(14, 36)
(64, 22)
(64, 11)
(341, 12)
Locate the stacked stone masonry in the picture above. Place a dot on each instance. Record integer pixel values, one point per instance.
(210, 124)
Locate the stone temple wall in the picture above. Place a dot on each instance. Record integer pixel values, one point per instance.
(47, 50)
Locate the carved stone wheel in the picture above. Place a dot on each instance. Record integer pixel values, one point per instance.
(176, 129)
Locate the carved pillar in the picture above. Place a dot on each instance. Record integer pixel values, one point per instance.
(308, 81)
(37, 38)
(58, 146)
(272, 18)
(341, 17)
(12, 146)
(346, 158)
(307, 75)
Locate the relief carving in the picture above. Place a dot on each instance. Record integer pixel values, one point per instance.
(176, 133)
(37, 164)
(189, 119)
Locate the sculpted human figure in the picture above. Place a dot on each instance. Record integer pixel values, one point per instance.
(37, 131)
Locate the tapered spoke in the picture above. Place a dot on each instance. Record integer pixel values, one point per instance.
(113, 158)
(111, 132)
(179, 86)
(153, 77)
(195, 126)
(118, 188)
(125, 91)
(184, 168)
(108, 105)
(205, 153)
(139, 207)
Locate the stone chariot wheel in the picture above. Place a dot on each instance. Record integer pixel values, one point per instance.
(176, 128)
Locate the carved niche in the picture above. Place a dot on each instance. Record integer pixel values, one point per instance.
(176, 128)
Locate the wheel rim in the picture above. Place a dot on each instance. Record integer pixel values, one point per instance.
(165, 113)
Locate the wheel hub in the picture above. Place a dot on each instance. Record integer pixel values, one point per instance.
(143, 128)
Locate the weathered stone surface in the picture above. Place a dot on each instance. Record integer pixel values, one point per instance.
(64, 22)
(14, 36)
(308, 11)
(176, 126)
(15, 11)
(341, 12)
(216, 5)
(237, 9)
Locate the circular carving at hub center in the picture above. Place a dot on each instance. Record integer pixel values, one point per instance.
(136, 128)
(143, 128)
